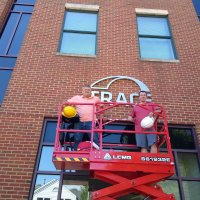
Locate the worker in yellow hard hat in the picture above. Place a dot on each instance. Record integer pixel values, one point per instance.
(85, 113)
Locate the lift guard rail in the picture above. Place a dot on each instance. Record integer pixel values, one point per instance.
(127, 171)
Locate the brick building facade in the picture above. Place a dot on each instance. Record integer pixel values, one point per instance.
(43, 77)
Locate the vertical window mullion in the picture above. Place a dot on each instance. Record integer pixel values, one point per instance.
(60, 185)
(179, 175)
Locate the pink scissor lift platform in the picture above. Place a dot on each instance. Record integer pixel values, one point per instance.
(126, 172)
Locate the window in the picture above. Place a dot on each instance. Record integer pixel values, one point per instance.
(11, 39)
(46, 177)
(155, 39)
(196, 4)
(79, 33)
(185, 183)
(49, 182)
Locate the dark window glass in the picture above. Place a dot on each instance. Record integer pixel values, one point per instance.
(155, 40)
(8, 32)
(19, 35)
(50, 132)
(7, 62)
(22, 8)
(196, 4)
(181, 138)
(188, 164)
(79, 33)
(171, 186)
(118, 138)
(5, 76)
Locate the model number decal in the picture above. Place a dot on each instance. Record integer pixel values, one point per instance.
(155, 159)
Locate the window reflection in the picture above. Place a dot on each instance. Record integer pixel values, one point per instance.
(75, 184)
(7, 62)
(81, 21)
(19, 35)
(188, 165)
(4, 80)
(153, 26)
(46, 186)
(20, 8)
(191, 190)
(119, 138)
(170, 187)
(8, 32)
(46, 163)
(26, 1)
(155, 39)
(79, 33)
(132, 196)
(75, 189)
(156, 48)
(78, 43)
(196, 4)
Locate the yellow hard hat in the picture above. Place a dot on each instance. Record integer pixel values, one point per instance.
(69, 111)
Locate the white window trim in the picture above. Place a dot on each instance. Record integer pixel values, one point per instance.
(145, 11)
(81, 7)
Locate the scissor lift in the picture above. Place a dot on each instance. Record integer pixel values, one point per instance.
(126, 172)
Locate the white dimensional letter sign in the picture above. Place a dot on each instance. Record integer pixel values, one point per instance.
(107, 96)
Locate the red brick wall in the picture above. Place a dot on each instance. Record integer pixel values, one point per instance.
(4, 9)
(42, 79)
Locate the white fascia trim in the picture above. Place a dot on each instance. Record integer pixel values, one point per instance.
(145, 11)
(81, 7)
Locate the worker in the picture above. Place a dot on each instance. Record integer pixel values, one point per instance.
(85, 113)
(143, 141)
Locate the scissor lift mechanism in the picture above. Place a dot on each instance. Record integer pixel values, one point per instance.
(127, 172)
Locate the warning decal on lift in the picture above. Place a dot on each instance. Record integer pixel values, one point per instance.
(71, 159)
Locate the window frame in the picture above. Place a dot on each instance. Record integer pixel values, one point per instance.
(66, 174)
(170, 37)
(79, 32)
(177, 176)
(6, 54)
